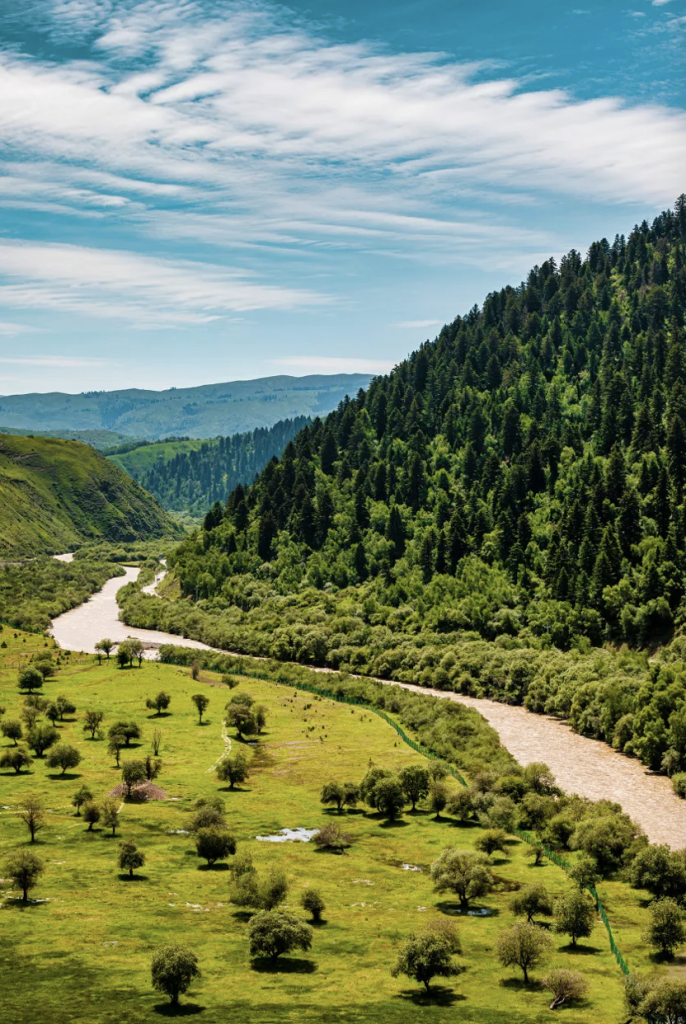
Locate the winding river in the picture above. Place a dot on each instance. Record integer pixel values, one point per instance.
(580, 765)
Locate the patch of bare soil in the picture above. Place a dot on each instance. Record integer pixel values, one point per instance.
(146, 791)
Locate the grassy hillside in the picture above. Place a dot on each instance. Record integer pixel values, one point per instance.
(56, 494)
(187, 475)
(207, 411)
(83, 955)
(516, 486)
(100, 439)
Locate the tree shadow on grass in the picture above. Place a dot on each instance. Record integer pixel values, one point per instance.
(399, 823)
(284, 965)
(236, 789)
(519, 985)
(178, 1009)
(219, 866)
(131, 878)
(473, 910)
(67, 777)
(244, 915)
(21, 904)
(439, 995)
(579, 950)
(162, 714)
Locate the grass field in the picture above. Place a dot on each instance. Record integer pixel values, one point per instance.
(84, 954)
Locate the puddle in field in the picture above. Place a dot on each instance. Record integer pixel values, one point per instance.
(410, 867)
(290, 835)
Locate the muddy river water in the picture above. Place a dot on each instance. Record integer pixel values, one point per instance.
(580, 765)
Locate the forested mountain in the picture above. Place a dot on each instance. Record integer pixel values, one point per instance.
(55, 494)
(210, 410)
(188, 476)
(514, 486)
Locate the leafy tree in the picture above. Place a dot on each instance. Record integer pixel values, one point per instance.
(460, 805)
(525, 946)
(214, 844)
(565, 986)
(92, 721)
(424, 957)
(532, 900)
(242, 718)
(664, 1002)
(82, 796)
(464, 873)
(666, 929)
(24, 868)
(660, 871)
(109, 814)
(129, 730)
(333, 793)
(233, 769)
(311, 901)
(201, 703)
(153, 767)
(332, 837)
(130, 857)
(415, 781)
(106, 646)
(133, 773)
(173, 970)
(91, 814)
(16, 759)
(491, 840)
(32, 814)
(136, 650)
(11, 729)
(605, 838)
(275, 932)
(41, 738)
(574, 915)
(117, 741)
(156, 741)
(584, 871)
(159, 703)
(30, 679)
(63, 756)
(438, 798)
(208, 814)
(52, 713)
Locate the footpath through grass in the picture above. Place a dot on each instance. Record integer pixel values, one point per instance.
(84, 953)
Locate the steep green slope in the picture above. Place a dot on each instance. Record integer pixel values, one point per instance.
(100, 439)
(187, 475)
(207, 411)
(56, 494)
(514, 486)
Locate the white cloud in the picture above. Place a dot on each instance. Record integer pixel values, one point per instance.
(412, 324)
(11, 330)
(124, 285)
(335, 364)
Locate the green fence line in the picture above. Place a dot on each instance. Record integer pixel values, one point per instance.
(360, 702)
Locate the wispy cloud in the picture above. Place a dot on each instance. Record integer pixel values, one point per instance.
(12, 330)
(412, 324)
(335, 364)
(62, 362)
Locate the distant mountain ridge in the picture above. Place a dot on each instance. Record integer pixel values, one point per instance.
(209, 410)
(56, 494)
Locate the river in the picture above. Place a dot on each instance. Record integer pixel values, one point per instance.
(580, 765)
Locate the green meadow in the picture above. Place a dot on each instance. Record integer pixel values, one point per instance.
(80, 949)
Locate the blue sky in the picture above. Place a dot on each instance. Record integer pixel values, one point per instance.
(195, 190)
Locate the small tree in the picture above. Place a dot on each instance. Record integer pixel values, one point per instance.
(272, 889)
(156, 741)
(91, 814)
(129, 730)
(424, 957)
(201, 702)
(214, 844)
(159, 703)
(664, 1002)
(531, 900)
(130, 858)
(275, 932)
(63, 756)
(123, 655)
(461, 804)
(332, 837)
(106, 645)
(16, 758)
(52, 712)
(132, 773)
(136, 650)
(438, 798)
(415, 780)
(666, 929)
(30, 679)
(389, 798)
(491, 840)
(660, 871)
(30, 713)
(115, 745)
(233, 769)
(92, 721)
(241, 717)
(333, 793)
(260, 715)
(173, 970)
(208, 815)
(32, 814)
(574, 915)
(311, 901)
(231, 681)
(525, 946)
(41, 738)
(24, 868)
(11, 729)
(585, 872)
(109, 814)
(65, 707)
(565, 986)
(195, 670)
(80, 797)
(438, 770)
(153, 767)
(464, 873)
(536, 853)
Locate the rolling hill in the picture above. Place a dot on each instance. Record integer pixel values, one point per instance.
(56, 494)
(199, 412)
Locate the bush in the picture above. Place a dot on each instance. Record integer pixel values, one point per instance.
(332, 837)
(16, 759)
(565, 986)
(214, 844)
(311, 901)
(275, 932)
(173, 970)
(491, 840)
(130, 858)
(666, 930)
(660, 871)
(679, 784)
